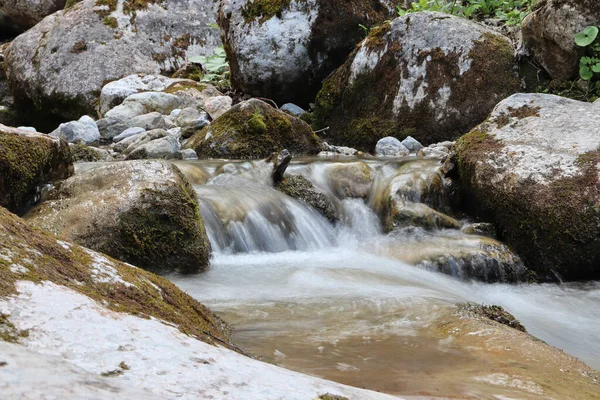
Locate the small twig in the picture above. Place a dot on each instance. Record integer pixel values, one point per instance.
(322, 130)
(268, 100)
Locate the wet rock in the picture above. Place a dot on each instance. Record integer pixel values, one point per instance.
(165, 148)
(24, 14)
(59, 66)
(481, 229)
(390, 147)
(128, 133)
(549, 35)
(83, 131)
(406, 213)
(494, 313)
(302, 189)
(430, 75)
(280, 163)
(293, 109)
(253, 129)
(329, 150)
(81, 152)
(350, 180)
(532, 169)
(28, 160)
(141, 212)
(282, 51)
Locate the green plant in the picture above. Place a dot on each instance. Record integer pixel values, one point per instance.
(215, 66)
(365, 29)
(589, 64)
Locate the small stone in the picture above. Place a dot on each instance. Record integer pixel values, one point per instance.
(189, 154)
(391, 147)
(128, 133)
(27, 128)
(293, 109)
(217, 106)
(412, 144)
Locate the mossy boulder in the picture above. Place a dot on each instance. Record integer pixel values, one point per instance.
(29, 254)
(428, 75)
(549, 35)
(283, 49)
(28, 160)
(58, 67)
(254, 129)
(302, 189)
(141, 212)
(532, 169)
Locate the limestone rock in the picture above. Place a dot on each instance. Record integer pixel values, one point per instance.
(83, 130)
(24, 14)
(141, 212)
(429, 75)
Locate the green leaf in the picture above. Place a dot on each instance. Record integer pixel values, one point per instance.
(596, 68)
(197, 59)
(585, 61)
(587, 36)
(585, 73)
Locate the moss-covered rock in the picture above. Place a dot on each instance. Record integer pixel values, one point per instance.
(283, 49)
(428, 75)
(535, 175)
(84, 153)
(350, 180)
(141, 212)
(28, 160)
(300, 188)
(549, 34)
(254, 129)
(30, 254)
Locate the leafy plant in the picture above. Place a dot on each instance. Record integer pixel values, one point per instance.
(215, 66)
(365, 29)
(511, 12)
(589, 64)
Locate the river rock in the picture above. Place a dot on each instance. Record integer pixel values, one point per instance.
(111, 127)
(293, 109)
(430, 75)
(28, 160)
(166, 148)
(141, 212)
(349, 180)
(24, 14)
(83, 153)
(83, 131)
(532, 169)
(302, 189)
(191, 120)
(283, 50)
(217, 106)
(128, 133)
(129, 144)
(144, 103)
(390, 147)
(412, 144)
(59, 66)
(254, 129)
(549, 34)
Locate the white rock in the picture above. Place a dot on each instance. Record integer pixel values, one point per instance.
(390, 147)
(84, 130)
(217, 106)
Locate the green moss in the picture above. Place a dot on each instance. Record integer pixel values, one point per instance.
(71, 3)
(8, 331)
(27, 161)
(131, 6)
(182, 86)
(300, 188)
(328, 396)
(111, 22)
(264, 10)
(81, 152)
(110, 4)
(141, 293)
(254, 129)
(494, 313)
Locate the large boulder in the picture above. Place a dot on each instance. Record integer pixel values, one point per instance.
(24, 14)
(429, 75)
(254, 129)
(27, 161)
(60, 65)
(549, 34)
(141, 212)
(284, 49)
(532, 168)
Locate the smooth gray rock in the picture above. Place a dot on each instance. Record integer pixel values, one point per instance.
(217, 106)
(131, 143)
(84, 130)
(390, 147)
(127, 133)
(144, 103)
(166, 148)
(61, 64)
(412, 144)
(190, 120)
(293, 109)
(188, 154)
(111, 127)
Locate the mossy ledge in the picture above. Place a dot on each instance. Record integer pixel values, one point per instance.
(28, 253)
(264, 10)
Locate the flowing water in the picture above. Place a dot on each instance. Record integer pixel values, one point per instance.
(342, 301)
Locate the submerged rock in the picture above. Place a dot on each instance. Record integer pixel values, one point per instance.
(28, 160)
(282, 50)
(429, 75)
(549, 34)
(59, 66)
(532, 169)
(302, 189)
(350, 180)
(254, 129)
(141, 212)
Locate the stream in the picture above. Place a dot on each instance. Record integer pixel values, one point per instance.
(349, 302)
